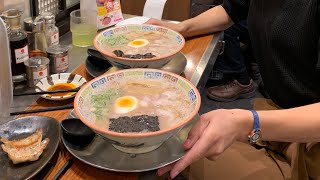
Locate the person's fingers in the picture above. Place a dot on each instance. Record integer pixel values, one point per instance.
(197, 152)
(165, 169)
(196, 132)
(153, 21)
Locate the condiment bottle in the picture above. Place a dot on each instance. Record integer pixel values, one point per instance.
(39, 45)
(18, 45)
(51, 30)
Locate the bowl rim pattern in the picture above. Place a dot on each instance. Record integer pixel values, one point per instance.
(137, 60)
(137, 135)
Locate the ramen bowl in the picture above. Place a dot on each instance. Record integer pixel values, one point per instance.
(139, 46)
(99, 99)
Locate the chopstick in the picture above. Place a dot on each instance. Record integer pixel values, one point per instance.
(69, 106)
(64, 168)
(46, 92)
(43, 173)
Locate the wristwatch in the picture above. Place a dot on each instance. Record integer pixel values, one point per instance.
(255, 134)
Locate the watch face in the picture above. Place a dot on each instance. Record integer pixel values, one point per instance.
(256, 137)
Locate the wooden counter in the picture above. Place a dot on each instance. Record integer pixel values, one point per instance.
(200, 52)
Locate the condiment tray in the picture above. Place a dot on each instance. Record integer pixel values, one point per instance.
(101, 154)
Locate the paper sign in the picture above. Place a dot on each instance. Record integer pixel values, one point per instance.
(154, 8)
(109, 13)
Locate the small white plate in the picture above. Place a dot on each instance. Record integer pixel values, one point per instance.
(45, 83)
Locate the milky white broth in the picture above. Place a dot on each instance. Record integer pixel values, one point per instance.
(159, 44)
(170, 103)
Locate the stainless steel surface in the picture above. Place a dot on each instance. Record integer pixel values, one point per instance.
(176, 65)
(21, 128)
(101, 154)
(202, 72)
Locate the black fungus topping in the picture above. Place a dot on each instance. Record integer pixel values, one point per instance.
(119, 53)
(142, 123)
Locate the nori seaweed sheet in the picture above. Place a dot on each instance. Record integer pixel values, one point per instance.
(140, 123)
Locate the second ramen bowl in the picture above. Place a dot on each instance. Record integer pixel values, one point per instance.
(96, 99)
(139, 46)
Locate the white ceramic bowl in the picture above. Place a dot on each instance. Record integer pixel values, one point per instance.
(55, 79)
(107, 40)
(134, 142)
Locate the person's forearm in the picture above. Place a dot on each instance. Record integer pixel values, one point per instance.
(301, 124)
(213, 20)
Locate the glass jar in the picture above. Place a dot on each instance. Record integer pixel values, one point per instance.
(39, 45)
(51, 30)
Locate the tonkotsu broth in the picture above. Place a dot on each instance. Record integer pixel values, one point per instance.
(154, 98)
(158, 44)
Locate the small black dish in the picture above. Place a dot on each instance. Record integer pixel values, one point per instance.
(76, 132)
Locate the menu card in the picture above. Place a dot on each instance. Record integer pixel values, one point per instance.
(109, 13)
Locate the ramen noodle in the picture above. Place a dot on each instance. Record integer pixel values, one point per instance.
(135, 98)
(142, 42)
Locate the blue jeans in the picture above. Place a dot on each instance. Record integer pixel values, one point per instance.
(232, 61)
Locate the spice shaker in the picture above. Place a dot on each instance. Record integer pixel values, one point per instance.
(51, 30)
(59, 59)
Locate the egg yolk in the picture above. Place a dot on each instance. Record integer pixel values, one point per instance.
(126, 102)
(137, 42)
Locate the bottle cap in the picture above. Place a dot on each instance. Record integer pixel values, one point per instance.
(38, 24)
(48, 16)
(58, 49)
(28, 23)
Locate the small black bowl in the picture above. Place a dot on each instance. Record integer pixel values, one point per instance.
(76, 132)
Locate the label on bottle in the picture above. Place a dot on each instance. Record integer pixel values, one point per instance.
(21, 54)
(39, 74)
(54, 39)
(62, 63)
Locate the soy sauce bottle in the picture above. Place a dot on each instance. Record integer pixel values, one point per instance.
(18, 45)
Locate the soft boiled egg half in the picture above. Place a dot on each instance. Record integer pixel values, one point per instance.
(125, 104)
(138, 43)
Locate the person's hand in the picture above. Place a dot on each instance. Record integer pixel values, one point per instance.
(211, 136)
(173, 26)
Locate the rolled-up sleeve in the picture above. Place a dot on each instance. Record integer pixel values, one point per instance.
(236, 9)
